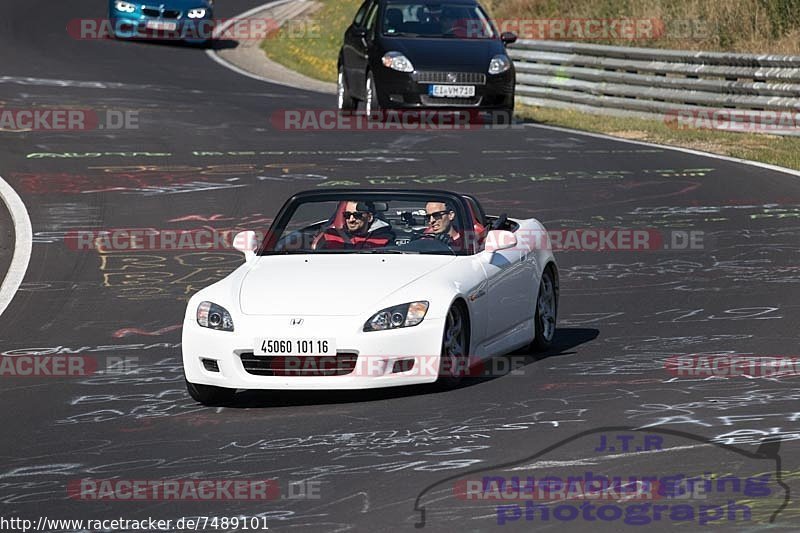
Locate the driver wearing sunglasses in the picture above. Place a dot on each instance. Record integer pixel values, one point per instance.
(362, 229)
(439, 217)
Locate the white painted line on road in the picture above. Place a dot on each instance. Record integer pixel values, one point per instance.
(766, 166)
(23, 243)
(230, 66)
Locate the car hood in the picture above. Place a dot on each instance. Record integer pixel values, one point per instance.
(176, 4)
(330, 285)
(472, 55)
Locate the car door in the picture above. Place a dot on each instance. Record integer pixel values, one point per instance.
(355, 50)
(511, 295)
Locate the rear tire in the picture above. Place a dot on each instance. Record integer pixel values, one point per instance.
(210, 395)
(546, 312)
(454, 359)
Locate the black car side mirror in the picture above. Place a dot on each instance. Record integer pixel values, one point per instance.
(359, 32)
(508, 37)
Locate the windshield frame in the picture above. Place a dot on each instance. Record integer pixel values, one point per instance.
(284, 217)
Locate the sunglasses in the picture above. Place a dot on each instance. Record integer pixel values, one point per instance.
(359, 215)
(437, 215)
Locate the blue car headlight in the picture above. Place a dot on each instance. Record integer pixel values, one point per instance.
(399, 316)
(197, 13)
(125, 7)
(213, 316)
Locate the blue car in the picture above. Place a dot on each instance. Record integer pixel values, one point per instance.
(190, 21)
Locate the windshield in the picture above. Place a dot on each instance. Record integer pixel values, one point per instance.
(409, 19)
(370, 224)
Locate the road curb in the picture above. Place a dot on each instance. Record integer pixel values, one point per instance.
(249, 60)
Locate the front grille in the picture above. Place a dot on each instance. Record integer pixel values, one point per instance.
(156, 12)
(471, 78)
(327, 365)
(434, 101)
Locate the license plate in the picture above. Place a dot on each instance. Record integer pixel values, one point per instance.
(158, 25)
(296, 346)
(452, 91)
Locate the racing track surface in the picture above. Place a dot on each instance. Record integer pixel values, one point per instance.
(622, 313)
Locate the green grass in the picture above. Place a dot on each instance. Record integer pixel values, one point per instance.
(739, 25)
(776, 150)
(315, 54)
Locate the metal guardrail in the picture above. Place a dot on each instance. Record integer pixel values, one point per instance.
(739, 92)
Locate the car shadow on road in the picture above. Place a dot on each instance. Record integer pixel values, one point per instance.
(216, 44)
(517, 363)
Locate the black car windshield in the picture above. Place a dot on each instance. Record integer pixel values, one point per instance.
(406, 224)
(422, 19)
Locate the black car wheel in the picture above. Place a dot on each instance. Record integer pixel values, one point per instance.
(372, 107)
(546, 311)
(454, 360)
(345, 101)
(209, 395)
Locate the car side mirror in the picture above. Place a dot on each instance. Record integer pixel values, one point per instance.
(247, 243)
(359, 32)
(508, 37)
(499, 239)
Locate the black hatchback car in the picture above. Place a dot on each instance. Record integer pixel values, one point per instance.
(406, 54)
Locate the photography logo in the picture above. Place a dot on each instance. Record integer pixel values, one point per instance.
(614, 477)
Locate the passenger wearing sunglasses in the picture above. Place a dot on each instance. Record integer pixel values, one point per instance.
(440, 219)
(362, 229)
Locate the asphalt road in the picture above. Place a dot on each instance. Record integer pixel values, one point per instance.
(206, 154)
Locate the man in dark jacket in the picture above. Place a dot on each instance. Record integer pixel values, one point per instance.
(362, 229)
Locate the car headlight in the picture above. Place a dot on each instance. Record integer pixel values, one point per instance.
(399, 316)
(397, 61)
(125, 7)
(213, 316)
(499, 64)
(198, 13)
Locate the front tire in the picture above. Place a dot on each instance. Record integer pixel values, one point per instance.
(546, 311)
(454, 359)
(209, 395)
(345, 101)
(372, 107)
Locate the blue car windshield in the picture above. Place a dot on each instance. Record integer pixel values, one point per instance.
(459, 21)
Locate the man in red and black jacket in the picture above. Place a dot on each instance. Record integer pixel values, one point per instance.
(362, 229)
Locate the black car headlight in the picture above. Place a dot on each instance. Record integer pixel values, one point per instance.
(397, 61)
(399, 316)
(499, 64)
(213, 316)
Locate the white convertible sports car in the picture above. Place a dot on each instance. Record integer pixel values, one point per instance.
(363, 288)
